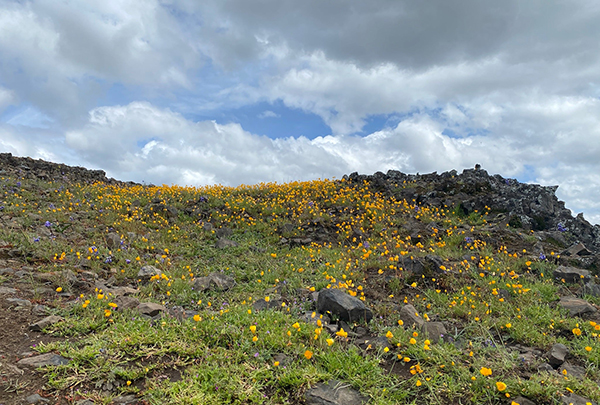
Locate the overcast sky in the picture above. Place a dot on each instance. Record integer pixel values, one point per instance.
(244, 91)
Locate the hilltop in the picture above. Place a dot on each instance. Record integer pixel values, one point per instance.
(387, 288)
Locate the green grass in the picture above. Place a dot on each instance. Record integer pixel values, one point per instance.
(491, 302)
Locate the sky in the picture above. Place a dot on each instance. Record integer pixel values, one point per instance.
(245, 91)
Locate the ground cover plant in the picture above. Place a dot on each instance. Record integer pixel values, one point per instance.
(208, 295)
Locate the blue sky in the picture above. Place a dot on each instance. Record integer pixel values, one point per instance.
(244, 91)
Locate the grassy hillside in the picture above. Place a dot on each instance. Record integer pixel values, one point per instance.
(282, 243)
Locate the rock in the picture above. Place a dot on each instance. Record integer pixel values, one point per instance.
(574, 399)
(150, 309)
(125, 302)
(523, 401)
(434, 330)
(346, 307)
(577, 250)
(546, 367)
(124, 291)
(262, 304)
(410, 317)
(576, 306)
(214, 281)
(20, 302)
(572, 371)
(113, 241)
(125, 400)
(333, 393)
(556, 355)
(223, 232)
(48, 359)
(591, 289)
(72, 279)
(7, 290)
(225, 243)
(40, 310)
(36, 399)
(44, 323)
(571, 274)
(84, 402)
(147, 272)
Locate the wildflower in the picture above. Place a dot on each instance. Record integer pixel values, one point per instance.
(400, 322)
(329, 342)
(253, 328)
(107, 312)
(588, 348)
(59, 289)
(485, 371)
(296, 325)
(267, 299)
(418, 383)
(308, 354)
(577, 332)
(342, 333)
(389, 335)
(412, 341)
(500, 385)
(276, 364)
(254, 338)
(128, 382)
(197, 318)
(508, 325)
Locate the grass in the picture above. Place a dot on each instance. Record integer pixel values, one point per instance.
(491, 296)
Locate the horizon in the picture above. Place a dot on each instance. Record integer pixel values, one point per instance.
(235, 92)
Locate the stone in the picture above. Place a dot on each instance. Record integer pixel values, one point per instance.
(333, 393)
(574, 399)
(591, 289)
(36, 399)
(576, 306)
(150, 309)
(571, 274)
(577, 250)
(262, 304)
(556, 355)
(113, 241)
(214, 281)
(7, 290)
(43, 360)
(44, 323)
(523, 401)
(343, 305)
(223, 232)
(125, 400)
(124, 291)
(84, 402)
(225, 243)
(72, 279)
(20, 302)
(125, 302)
(147, 272)
(434, 330)
(40, 310)
(410, 316)
(570, 370)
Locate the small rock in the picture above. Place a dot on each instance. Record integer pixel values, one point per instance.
(225, 243)
(556, 355)
(591, 289)
(574, 399)
(48, 359)
(113, 241)
(223, 232)
(434, 330)
(546, 367)
(125, 302)
(150, 309)
(124, 291)
(44, 323)
(576, 306)
(571, 274)
(410, 316)
(7, 290)
(125, 400)
(20, 302)
(346, 307)
(147, 272)
(214, 281)
(570, 370)
(36, 399)
(262, 304)
(577, 250)
(523, 401)
(84, 402)
(333, 393)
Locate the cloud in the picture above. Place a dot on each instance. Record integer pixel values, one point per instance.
(268, 114)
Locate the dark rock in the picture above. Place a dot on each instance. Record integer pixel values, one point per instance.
(84, 402)
(576, 306)
(570, 370)
(574, 399)
(409, 315)
(113, 241)
(150, 309)
(20, 302)
(341, 304)
(523, 401)
(214, 281)
(36, 399)
(7, 290)
(44, 323)
(333, 393)
(147, 272)
(124, 291)
(262, 304)
(571, 274)
(591, 289)
(434, 330)
(556, 355)
(48, 359)
(40, 310)
(283, 359)
(125, 400)
(546, 367)
(125, 302)
(578, 249)
(223, 233)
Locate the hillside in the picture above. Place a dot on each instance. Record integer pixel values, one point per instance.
(449, 288)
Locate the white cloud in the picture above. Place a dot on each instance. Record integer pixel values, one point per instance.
(268, 114)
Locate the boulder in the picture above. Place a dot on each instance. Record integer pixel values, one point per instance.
(571, 274)
(410, 316)
(556, 355)
(435, 331)
(333, 393)
(343, 305)
(576, 306)
(150, 309)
